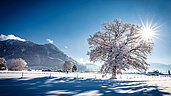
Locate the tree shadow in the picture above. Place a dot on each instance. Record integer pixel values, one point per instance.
(76, 86)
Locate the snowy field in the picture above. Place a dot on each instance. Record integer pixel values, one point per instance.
(81, 84)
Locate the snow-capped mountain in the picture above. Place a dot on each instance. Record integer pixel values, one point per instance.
(47, 55)
(160, 67)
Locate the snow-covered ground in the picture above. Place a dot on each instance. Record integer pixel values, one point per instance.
(81, 84)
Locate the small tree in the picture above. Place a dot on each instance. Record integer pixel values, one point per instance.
(67, 66)
(17, 64)
(74, 68)
(120, 46)
(3, 63)
(55, 68)
(169, 72)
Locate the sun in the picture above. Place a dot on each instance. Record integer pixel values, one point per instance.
(148, 31)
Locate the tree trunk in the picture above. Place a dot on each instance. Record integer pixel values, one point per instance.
(113, 73)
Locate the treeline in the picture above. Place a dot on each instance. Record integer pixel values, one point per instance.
(13, 65)
(20, 64)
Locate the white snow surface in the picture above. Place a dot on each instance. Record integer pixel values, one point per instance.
(34, 83)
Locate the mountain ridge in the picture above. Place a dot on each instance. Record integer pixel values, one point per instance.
(47, 55)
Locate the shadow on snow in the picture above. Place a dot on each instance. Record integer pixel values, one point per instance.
(76, 86)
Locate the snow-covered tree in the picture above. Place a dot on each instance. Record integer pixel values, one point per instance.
(3, 63)
(74, 68)
(55, 68)
(17, 64)
(67, 66)
(120, 46)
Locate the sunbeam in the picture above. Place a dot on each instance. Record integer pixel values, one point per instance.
(148, 31)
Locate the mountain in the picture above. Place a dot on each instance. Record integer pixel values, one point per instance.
(36, 56)
(160, 67)
(92, 67)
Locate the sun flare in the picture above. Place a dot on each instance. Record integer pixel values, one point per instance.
(148, 31)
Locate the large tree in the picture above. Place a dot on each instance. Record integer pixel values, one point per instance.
(120, 46)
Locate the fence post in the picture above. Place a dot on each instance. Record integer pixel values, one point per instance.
(22, 75)
(50, 75)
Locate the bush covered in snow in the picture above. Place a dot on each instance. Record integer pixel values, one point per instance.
(17, 64)
(2, 63)
(67, 66)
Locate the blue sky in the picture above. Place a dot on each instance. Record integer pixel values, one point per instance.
(70, 22)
